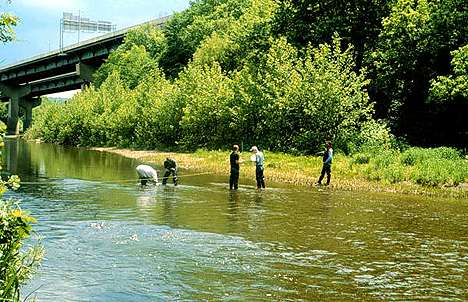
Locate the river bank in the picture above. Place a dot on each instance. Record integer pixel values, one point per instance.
(298, 170)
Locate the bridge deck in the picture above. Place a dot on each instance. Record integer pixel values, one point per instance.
(116, 35)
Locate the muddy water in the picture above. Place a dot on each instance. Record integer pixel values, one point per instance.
(108, 239)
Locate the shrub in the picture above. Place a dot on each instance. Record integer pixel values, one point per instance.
(440, 172)
(414, 156)
(361, 158)
(16, 265)
(394, 173)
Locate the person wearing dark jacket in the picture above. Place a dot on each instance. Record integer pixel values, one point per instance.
(170, 167)
(234, 159)
(327, 162)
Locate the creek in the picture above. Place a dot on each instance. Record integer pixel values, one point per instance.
(109, 239)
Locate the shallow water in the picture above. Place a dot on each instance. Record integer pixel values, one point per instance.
(108, 239)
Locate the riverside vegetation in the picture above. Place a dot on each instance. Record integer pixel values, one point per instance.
(374, 76)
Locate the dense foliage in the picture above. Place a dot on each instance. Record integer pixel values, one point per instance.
(7, 23)
(16, 264)
(284, 75)
(238, 83)
(405, 45)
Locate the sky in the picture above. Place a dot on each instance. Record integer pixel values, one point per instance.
(39, 28)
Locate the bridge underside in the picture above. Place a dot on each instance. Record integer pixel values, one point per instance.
(62, 70)
(58, 72)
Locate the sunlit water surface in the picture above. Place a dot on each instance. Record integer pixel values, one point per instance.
(108, 239)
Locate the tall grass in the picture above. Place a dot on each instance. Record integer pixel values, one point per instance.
(432, 167)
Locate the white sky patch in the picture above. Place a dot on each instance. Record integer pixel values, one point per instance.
(64, 95)
(51, 4)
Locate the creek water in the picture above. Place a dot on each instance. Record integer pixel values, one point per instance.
(108, 239)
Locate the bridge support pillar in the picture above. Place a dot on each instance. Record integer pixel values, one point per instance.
(85, 72)
(28, 105)
(16, 95)
(13, 110)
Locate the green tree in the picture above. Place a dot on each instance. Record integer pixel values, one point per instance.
(449, 96)
(294, 102)
(7, 23)
(357, 22)
(209, 114)
(414, 48)
(242, 39)
(454, 86)
(185, 31)
(132, 62)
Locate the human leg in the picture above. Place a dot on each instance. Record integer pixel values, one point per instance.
(166, 176)
(234, 179)
(328, 171)
(174, 177)
(322, 174)
(260, 178)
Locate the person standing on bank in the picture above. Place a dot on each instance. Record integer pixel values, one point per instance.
(235, 160)
(170, 167)
(147, 173)
(327, 162)
(258, 158)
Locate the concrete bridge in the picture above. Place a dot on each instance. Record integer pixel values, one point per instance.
(24, 82)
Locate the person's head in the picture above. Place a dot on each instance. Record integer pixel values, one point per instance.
(235, 148)
(254, 149)
(328, 144)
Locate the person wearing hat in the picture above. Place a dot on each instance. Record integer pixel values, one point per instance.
(147, 173)
(170, 167)
(327, 162)
(258, 158)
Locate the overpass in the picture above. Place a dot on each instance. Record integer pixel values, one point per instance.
(22, 83)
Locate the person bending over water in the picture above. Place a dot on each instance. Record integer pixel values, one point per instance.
(170, 167)
(147, 174)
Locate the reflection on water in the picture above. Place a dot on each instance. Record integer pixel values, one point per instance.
(108, 240)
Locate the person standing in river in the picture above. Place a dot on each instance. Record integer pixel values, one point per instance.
(258, 158)
(170, 167)
(327, 162)
(234, 159)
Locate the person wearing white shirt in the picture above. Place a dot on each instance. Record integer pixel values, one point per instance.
(258, 158)
(147, 174)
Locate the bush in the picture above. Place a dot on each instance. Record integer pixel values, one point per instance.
(374, 136)
(16, 265)
(393, 173)
(414, 156)
(440, 172)
(361, 158)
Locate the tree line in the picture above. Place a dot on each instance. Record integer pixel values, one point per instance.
(284, 75)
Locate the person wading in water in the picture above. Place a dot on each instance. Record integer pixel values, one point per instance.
(235, 160)
(170, 167)
(147, 173)
(258, 158)
(327, 162)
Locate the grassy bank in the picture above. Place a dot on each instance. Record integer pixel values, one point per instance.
(431, 172)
